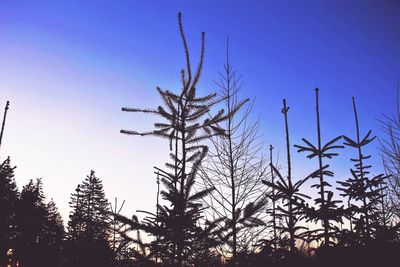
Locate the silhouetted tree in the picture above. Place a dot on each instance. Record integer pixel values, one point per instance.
(89, 225)
(234, 166)
(186, 126)
(289, 193)
(390, 148)
(40, 230)
(8, 206)
(271, 246)
(118, 242)
(54, 235)
(31, 217)
(327, 210)
(367, 192)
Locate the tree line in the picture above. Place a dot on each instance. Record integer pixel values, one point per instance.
(223, 202)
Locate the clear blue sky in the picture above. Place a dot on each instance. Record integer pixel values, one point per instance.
(69, 66)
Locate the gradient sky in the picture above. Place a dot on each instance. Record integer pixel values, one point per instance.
(68, 67)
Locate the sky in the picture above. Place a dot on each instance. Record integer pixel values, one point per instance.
(68, 67)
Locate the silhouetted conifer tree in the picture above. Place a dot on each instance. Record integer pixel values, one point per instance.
(76, 223)
(8, 206)
(186, 125)
(288, 191)
(365, 191)
(327, 210)
(272, 245)
(54, 236)
(275, 218)
(31, 220)
(40, 228)
(89, 225)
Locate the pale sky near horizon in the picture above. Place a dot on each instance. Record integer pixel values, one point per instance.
(68, 67)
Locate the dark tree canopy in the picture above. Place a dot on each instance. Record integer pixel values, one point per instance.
(236, 215)
(40, 228)
(89, 225)
(8, 207)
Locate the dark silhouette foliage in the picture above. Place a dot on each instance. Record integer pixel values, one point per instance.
(8, 206)
(327, 209)
(225, 218)
(89, 225)
(186, 125)
(366, 192)
(291, 210)
(40, 229)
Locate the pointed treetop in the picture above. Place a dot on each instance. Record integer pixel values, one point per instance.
(285, 108)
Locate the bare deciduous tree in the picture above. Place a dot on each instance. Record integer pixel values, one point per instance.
(390, 148)
(234, 167)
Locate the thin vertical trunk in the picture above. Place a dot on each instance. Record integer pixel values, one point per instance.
(351, 216)
(273, 197)
(383, 206)
(157, 219)
(289, 175)
(231, 160)
(321, 175)
(361, 166)
(182, 204)
(4, 120)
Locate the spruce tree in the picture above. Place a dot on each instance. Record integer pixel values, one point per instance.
(364, 191)
(54, 235)
(8, 205)
(89, 225)
(327, 210)
(186, 124)
(40, 229)
(31, 220)
(288, 191)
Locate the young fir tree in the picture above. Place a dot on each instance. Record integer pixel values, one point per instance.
(273, 209)
(366, 192)
(117, 229)
(8, 205)
(271, 246)
(235, 167)
(288, 191)
(327, 210)
(186, 125)
(89, 225)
